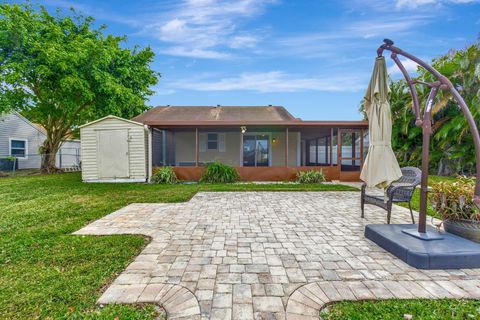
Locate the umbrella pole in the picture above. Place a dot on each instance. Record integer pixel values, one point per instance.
(427, 131)
(441, 83)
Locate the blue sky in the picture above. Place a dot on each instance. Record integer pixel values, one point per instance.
(313, 57)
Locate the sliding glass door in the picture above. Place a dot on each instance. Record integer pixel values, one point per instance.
(256, 150)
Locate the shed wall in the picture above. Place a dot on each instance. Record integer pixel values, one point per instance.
(137, 136)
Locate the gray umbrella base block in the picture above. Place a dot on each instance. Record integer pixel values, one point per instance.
(446, 252)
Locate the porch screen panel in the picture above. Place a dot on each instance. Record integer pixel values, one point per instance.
(318, 151)
(351, 149)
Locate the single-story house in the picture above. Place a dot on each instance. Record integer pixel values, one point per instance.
(22, 139)
(264, 143)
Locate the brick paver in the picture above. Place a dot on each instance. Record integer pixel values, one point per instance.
(265, 255)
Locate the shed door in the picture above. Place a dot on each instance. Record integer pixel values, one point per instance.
(112, 151)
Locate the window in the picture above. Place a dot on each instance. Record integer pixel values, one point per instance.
(212, 141)
(18, 148)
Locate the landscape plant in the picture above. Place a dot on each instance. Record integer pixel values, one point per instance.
(310, 176)
(217, 172)
(61, 72)
(164, 175)
(454, 200)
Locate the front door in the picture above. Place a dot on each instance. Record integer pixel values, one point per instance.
(112, 154)
(256, 150)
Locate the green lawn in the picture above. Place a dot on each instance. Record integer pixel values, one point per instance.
(416, 196)
(420, 309)
(49, 274)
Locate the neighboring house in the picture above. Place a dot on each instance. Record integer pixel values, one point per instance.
(21, 138)
(264, 143)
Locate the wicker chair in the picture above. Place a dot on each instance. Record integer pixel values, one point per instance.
(399, 191)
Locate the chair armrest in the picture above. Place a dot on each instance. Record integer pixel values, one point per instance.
(405, 192)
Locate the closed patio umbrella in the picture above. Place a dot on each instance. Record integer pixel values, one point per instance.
(380, 168)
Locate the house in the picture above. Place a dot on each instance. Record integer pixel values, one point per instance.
(22, 139)
(264, 143)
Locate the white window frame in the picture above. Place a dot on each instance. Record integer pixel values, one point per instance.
(10, 139)
(216, 140)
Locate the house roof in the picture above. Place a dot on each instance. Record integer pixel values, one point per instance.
(218, 114)
(228, 116)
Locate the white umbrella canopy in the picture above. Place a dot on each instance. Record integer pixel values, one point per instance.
(381, 167)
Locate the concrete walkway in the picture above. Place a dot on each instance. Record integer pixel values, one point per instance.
(266, 255)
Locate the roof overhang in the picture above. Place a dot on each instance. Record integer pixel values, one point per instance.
(350, 124)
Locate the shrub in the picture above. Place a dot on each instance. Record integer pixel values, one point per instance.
(310, 176)
(164, 175)
(454, 200)
(217, 172)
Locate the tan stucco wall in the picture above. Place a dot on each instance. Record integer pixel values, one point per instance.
(231, 156)
(278, 148)
(185, 149)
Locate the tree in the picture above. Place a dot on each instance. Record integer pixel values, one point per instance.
(61, 72)
(451, 150)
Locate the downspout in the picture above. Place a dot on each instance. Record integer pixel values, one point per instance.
(149, 153)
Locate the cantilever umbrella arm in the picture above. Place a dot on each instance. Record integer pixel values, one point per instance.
(442, 83)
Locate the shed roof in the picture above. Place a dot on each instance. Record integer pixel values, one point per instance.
(111, 117)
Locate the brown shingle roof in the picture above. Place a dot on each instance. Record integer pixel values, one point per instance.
(187, 116)
(215, 114)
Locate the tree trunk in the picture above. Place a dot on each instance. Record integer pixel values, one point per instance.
(49, 151)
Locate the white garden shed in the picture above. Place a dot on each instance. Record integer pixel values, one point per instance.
(114, 150)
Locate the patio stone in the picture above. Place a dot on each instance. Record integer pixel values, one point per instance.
(265, 255)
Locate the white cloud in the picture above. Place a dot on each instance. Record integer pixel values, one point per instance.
(238, 42)
(206, 28)
(350, 37)
(412, 4)
(180, 51)
(410, 66)
(276, 81)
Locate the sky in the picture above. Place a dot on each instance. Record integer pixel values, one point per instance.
(314, 57)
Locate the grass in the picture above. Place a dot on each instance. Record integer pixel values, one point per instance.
(420, 309)
(20, 173)
(49, 274)
(416, 196)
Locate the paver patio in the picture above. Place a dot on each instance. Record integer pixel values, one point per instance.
(265, 255)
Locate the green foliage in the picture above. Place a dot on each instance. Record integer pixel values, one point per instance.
(61, 72)
(164, 175)
(217, 172)
(452, 149)
(310, 176)
(454, 200)
(394, 309)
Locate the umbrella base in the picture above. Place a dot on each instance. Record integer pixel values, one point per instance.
(426, 236)
(450, 252)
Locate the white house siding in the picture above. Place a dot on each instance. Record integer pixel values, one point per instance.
(15, 126)
(137, 153)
